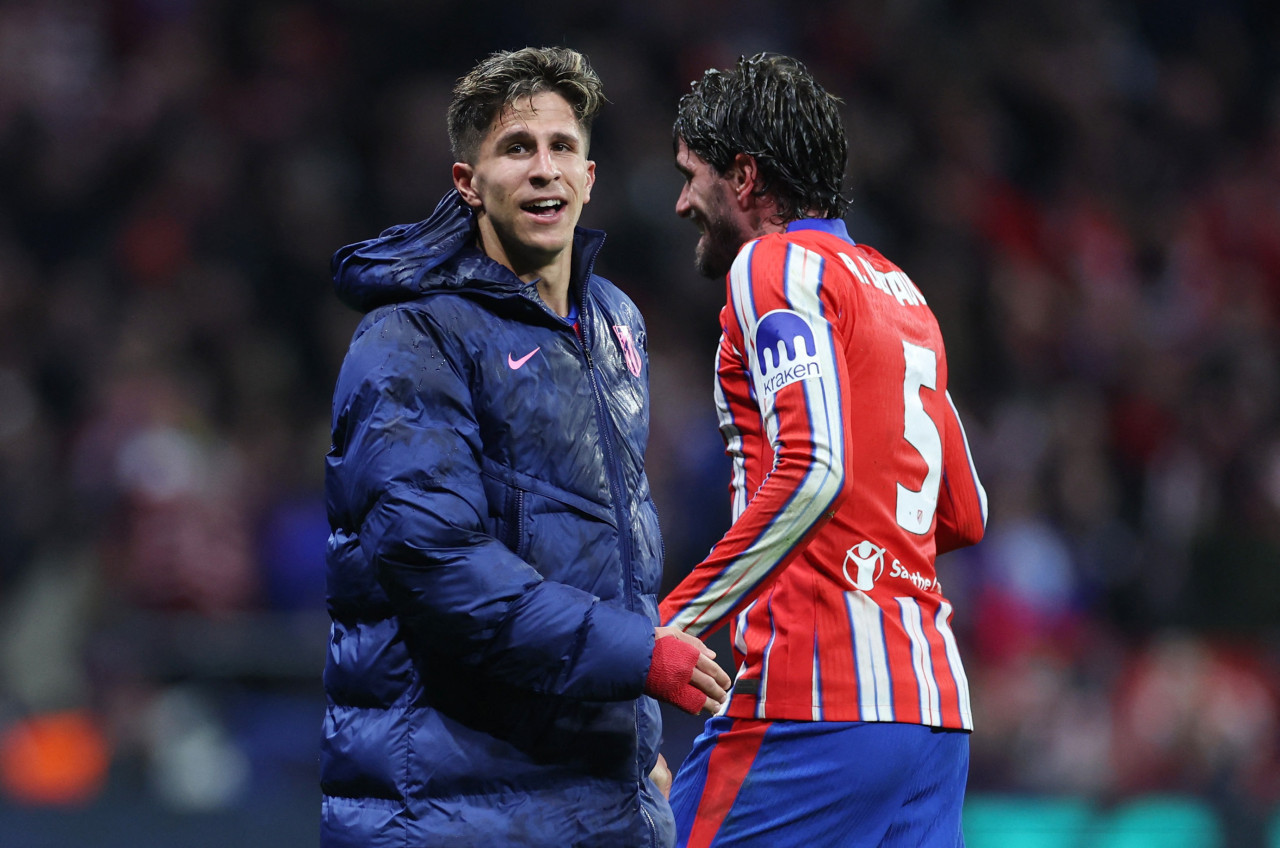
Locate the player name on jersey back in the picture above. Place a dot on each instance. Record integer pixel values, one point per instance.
(893, 283)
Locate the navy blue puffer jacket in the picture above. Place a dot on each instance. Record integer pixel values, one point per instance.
(494, 556)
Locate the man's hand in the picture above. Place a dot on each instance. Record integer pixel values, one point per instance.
(683, 672)
(661, 775)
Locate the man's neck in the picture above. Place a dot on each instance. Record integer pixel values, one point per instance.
(762, 218)
(552, 279)
(555, 291)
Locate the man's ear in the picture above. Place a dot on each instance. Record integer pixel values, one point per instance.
(591, 180)
(743, 175)
(463, 181)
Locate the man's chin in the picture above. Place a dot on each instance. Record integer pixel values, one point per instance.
(716, 250)
(711, 266)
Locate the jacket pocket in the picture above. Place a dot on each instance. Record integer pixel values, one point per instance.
(508, 513)
(515, 517)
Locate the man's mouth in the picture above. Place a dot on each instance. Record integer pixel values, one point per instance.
(544, 208)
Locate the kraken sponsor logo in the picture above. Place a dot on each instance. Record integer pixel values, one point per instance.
(786, 350)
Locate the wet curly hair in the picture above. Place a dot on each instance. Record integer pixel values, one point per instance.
(770, 107)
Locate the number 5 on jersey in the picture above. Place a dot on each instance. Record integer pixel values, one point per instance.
(916, 508)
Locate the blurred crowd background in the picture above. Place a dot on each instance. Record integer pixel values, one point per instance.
(1088, 194)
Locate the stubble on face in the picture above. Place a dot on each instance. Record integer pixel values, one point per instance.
(720, 241)
(718, 246)
(706, 200)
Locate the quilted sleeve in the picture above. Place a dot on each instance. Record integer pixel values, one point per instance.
(405, 463)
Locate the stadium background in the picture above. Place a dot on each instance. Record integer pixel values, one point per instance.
(1088, 193)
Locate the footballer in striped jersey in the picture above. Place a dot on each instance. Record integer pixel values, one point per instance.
(849, 716)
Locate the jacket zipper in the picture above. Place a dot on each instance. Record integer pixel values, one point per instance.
(624, 525)
(662, 542)
(653, 828)
(602, 418)
(515, 524)
(624, 532)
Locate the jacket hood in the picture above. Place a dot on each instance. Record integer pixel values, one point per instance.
(409, 260)
(398, 264)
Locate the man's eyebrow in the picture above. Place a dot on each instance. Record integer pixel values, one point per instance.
(520, 132)
(513, 133)
(565, 136)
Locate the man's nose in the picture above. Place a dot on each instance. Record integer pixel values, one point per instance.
(683, 207)
(545, 166)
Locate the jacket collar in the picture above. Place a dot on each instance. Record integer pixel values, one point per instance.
(439, 252)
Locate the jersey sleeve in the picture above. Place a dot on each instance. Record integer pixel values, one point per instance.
(778, 328)
(962, 501)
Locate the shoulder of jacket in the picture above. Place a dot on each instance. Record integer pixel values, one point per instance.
(436, 310)
(602, 287)
(612, 298)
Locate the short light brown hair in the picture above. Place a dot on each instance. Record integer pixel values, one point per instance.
(504, 78)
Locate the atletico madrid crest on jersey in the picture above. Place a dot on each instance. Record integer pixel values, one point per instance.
(628, 345)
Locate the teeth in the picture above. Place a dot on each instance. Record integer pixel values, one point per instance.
(545, 204)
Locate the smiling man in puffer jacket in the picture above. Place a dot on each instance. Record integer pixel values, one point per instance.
(495, 554)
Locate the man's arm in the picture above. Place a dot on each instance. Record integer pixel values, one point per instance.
(962, 502)
(804, 415)
(409, 457)
(406, 445)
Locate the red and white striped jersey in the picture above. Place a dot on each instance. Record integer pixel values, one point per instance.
(850, 473)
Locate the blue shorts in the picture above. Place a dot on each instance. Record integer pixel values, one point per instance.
(775, 784)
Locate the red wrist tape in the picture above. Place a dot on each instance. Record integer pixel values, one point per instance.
(670, 673)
